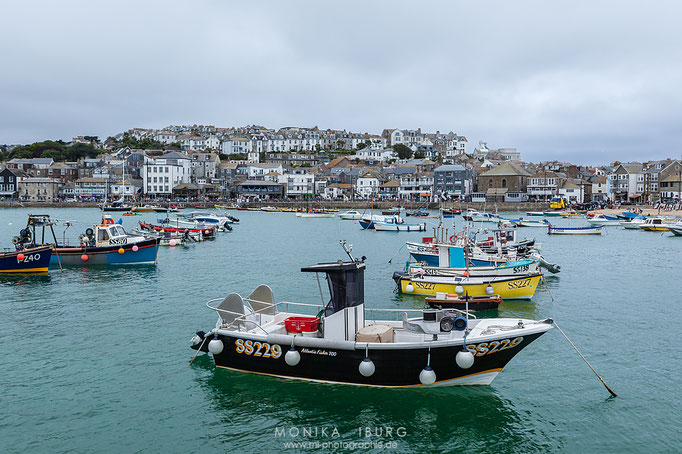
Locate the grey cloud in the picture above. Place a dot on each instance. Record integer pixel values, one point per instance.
(581, 81)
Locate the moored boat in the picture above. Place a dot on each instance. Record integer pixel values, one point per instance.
(351, 215)
(590, 230)
(603, 219)
(531, 223)
(394, 227)
(342, 345)
(31, 260)
(104, 244)
(508, 287)
(633, 223)
(676, 229)
(142, 209)
(657, 224)
(454, 301)
(480, 216)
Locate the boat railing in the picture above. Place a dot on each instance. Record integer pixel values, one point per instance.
(242, 320)
(399, 312)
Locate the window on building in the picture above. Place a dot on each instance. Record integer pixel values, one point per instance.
(504, 182)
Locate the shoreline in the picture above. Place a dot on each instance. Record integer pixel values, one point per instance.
(365, 205)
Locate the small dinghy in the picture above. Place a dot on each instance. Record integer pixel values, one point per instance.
(349, 344)
(591, 230)
(454, 301)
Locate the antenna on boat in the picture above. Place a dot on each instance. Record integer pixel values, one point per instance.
(348, 248)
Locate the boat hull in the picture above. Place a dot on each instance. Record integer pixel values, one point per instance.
(483, 303)
(677, 231)
(386, 227)
(109, 255)
(522, 287)
(654, 228)
(394, 367)
(593, 230)
(36, 260)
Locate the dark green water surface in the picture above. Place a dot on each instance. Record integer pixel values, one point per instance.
(95, 359)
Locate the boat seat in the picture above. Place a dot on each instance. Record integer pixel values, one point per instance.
(231, 308)
(262, 300)
(420, 326)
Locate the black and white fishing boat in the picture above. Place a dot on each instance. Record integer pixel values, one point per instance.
(348, 343)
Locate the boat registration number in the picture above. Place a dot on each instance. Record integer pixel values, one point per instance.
(118, 241)
(31, 258)
(486, 348)
(521, 269)
(519, 284)
(425, 285)
(255, 348)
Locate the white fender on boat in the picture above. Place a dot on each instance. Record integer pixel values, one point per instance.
(464, 359)
(293, 357)
(367, 367)
(427, 376)
(409, 288)
(215, 346)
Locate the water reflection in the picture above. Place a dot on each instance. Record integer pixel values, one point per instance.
(438, 418)
(24, 279)
(103, 274)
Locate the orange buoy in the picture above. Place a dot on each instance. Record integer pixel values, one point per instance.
(121, 250)
(21, 257)
(84, 257)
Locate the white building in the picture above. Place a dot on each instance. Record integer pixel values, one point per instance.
(372, 154)
(367, 184)
(298, 184)
(256, 171)
(162, 174)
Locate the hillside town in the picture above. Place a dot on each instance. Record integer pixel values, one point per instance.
(294, 163)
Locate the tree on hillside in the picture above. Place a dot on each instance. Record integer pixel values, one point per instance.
(404, 152)
(419, 154)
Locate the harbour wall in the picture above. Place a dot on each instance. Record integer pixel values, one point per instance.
(358, 205)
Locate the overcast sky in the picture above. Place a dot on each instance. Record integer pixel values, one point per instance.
(587, 82)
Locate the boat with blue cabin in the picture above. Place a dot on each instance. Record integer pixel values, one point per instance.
(104, 244)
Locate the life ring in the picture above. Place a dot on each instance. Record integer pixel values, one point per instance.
(453, 238)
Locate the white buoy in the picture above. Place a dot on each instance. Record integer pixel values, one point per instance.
(215, 346)
(489, 289)
(409, 288)
(292, 357)
(366, 367)
(464, 359)
(459, 289)
(427, 376)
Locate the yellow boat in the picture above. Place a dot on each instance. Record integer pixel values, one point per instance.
(572, 214)
(225, 207)
(252, 209)
(270, 209)
(654, 228)
(515, 287)
(656, 224)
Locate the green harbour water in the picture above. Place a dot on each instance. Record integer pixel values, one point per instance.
(95, 359)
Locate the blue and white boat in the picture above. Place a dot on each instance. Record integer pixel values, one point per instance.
(367, 222)
(603, 219)
(104, 244)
